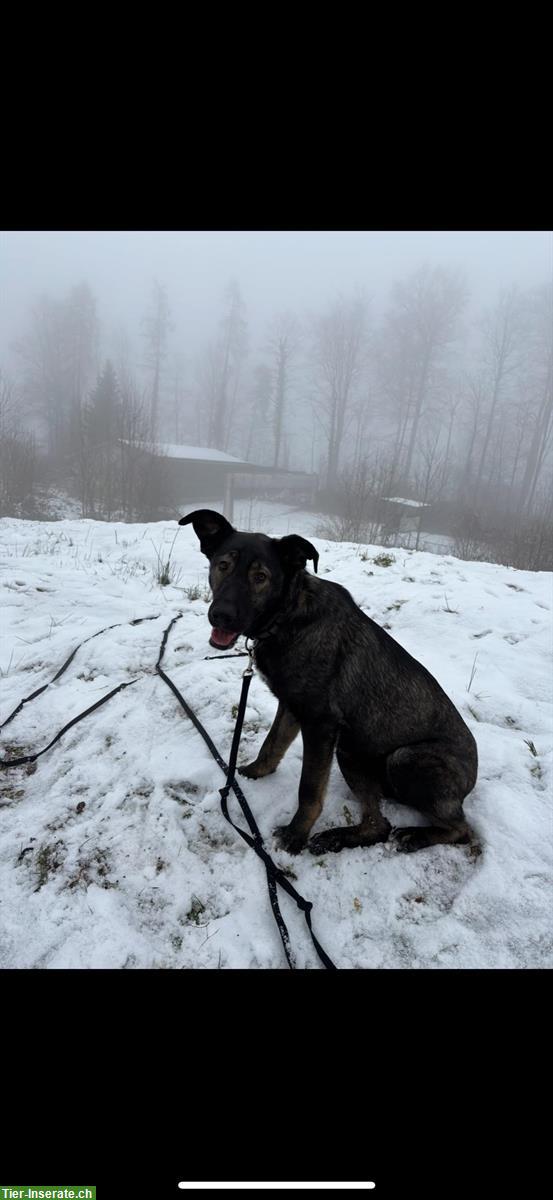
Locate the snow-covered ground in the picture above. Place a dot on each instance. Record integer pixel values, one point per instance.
(113, 848)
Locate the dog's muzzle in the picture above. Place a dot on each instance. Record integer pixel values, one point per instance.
(223, 639)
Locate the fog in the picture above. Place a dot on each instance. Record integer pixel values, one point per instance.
(402, 364)
(275, 269)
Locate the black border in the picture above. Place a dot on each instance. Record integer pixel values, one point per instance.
(423, 1081)
(128, 1079)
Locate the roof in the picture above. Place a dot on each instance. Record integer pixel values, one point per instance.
(408, 503)
(206, 454)
(191, 453)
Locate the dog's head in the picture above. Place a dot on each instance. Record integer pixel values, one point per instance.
(249, 574)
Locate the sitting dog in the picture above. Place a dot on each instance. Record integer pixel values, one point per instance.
(346, 685)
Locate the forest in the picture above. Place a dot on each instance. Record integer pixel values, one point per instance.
(426, 398)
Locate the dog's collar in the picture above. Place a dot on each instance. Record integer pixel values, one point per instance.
(269, 631)
(274, 624)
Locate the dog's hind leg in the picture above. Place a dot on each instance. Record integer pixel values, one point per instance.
(435, 780)
(364, 779)
(280, 736)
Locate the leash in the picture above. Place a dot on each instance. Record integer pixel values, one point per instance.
(254, 839)
(29, 758)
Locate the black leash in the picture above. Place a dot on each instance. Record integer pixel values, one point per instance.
(274, 874)
(28, 758)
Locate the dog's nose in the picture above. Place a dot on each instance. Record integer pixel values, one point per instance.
(222, 617)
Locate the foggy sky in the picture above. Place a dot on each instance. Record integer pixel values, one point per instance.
(299, 270)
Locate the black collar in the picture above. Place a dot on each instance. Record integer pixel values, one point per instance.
(270, 630)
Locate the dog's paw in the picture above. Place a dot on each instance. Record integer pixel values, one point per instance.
(330, 841)
(288, 839)
(253, 770)
(410, 837)
(250, 770)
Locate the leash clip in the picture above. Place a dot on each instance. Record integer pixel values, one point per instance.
(249, 669)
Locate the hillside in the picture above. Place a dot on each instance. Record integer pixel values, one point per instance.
(113, 848)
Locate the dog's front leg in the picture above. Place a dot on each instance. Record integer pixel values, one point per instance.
(280, 736)
(318, 748)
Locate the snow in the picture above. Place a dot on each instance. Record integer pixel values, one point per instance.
(408, 503)
(113, 848)
(199, 453)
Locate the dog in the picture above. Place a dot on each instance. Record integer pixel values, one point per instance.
(346, 685)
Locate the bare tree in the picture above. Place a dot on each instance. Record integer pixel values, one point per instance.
(122, 355)
(260, 399)
(453, 402)
(423, 322)
(395, 380)
(340, 349)
(225, 362)
(139, 470)
(59, 354)
(46, 376)
(541, 379)
(282, 344)
(361, 488)
(502, 353)
(207, 369)
(82, 333)
(97, 453)
(178, 397)
(430, 474)
(473, 395)
(156, 326)
(17, 453)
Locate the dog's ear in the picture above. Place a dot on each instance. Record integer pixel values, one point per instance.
(210, 527)
(294, 552)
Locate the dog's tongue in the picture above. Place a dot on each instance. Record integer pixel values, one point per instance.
(220, 638)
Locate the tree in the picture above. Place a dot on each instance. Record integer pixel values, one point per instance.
(81, 334)
(429, 477)
(395, 382)
(156, 326)
(97, 450)
(139, 473)
(122, 355)
(178, 394)
(540, 372)
(452, 404)
(260, 400)
(17, 453)
(358, 516)
(226, 358)
(421, 326)
(473, 395)
(502, 357)
(46, 378)
(102, 408)
(207, 371)
(339, 349)
(59, 355)
(282, 344)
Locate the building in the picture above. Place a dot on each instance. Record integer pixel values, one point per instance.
(196, 473)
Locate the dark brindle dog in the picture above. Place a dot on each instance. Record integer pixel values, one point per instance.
(346, 685)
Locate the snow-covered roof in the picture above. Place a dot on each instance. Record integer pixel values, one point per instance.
(206, 454)
(410, 503)
(199, 453)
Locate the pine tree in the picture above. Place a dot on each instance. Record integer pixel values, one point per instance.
(103, 406)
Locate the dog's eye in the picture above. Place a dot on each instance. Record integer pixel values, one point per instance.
(223, 566)
(259, 577)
